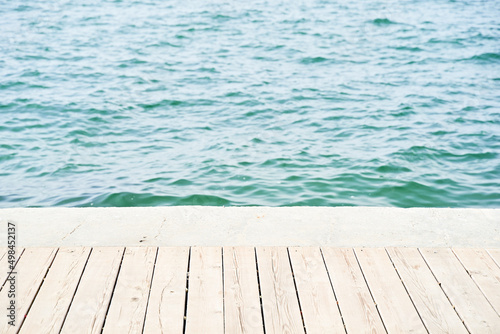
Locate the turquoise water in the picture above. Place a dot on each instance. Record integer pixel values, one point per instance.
(145, 103)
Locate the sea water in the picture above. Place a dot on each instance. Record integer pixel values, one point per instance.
(145, 103)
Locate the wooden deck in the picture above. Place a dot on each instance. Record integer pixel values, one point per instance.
(254, 290)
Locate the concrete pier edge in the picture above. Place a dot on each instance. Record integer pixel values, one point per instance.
(252, 226)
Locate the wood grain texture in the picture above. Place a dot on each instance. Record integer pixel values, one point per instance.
(92, 298)
(69, 291)
(165, 313)
(463, 293)
(317, 300)
(279, 299)
(395, 306)
(495, 255)
(31, 269)
(128, 306)
(52, 302)
(242, 311)
(205, 307)
(355, 302)
(434, 308)
(4, 265)
(484, 271)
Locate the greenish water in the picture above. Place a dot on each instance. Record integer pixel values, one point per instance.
(144, 103)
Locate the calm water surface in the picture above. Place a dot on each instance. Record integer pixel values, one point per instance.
(144, 103)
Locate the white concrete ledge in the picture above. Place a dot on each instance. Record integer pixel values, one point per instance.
(255, 226)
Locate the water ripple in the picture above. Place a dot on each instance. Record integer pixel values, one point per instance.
(143, 103)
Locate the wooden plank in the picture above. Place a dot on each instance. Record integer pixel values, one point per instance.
(31, 269)
(279, 299)
(434, 308)
(484, 271)
(165, 313)
(495, 255)
(355, 302)
(242, 311)
(91, 301)
(128, 305)
(205, 295)
(463, 293)
(4, 263)
(317, 300)
(395, 306)
(52, 302)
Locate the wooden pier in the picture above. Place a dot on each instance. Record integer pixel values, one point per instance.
(253, 290)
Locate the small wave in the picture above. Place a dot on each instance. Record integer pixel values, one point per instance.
(274, 162)
(293, 178)
(258, 112)
(442, 133)
(316, 201)
(318, 186)
(406, 111)
(422, 153)
(408, 48)
(73, 168)
(411, 194)
(162, 103)
(181, 182)
(8, 105)
(313, 60)
(383, 22)
(441, 41)
(157, 180)
(6, 157)
(80, 132)
(12, 84)
(236, 94)
(202, 200)
(245, 190)
(222, 18)
(163, 44)
(392, 169)
(485, 58)
(31, 73)
(249, 103)
(23, 8)
(128, 199)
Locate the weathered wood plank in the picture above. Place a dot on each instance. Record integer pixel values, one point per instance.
(225, 298)
(165, 313)
(395, 306)
(279, 299)
(32, 267)
(495, 255)
(242, 311)
(434, 308)
(463, 293)
(4, 263)
(355, 302)
(317, 300)
(92, 298)
(484, 271)
(52, 302)
(205, 307)
(128, 305)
